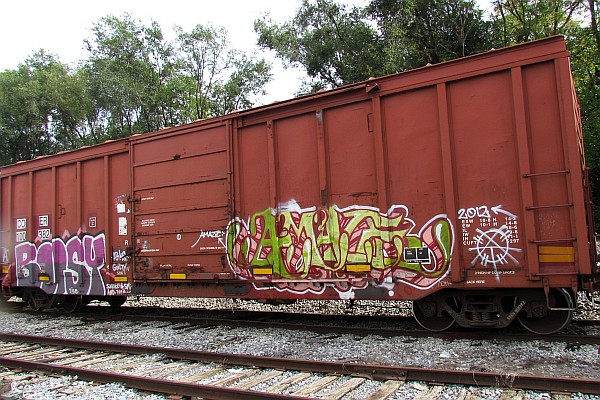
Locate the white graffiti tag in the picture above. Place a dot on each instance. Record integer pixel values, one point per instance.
(493, 247)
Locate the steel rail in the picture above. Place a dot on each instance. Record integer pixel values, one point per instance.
(379, 372)
(361, 331)
(144, 383)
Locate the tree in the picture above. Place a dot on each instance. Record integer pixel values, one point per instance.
(202, 58)
(134, 81)
(247, 78)
(585, 58)
(126, 71)
(525, 20)
(334, 44)
(220, 80)
(418, 32)
(42, 109)
(337, 45)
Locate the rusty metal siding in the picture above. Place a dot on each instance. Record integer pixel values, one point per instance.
(465, 174)
(297, 157)
(181, 204)
(485, 142)
(350, 147)
(56, 217)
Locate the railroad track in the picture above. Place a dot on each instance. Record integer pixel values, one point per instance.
(230, 376)
(318, 323)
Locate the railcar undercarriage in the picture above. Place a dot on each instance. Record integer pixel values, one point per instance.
(536, 312)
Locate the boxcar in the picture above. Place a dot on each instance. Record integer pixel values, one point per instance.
(460, 186)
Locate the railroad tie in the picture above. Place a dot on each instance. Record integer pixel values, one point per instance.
(284, 384)
(237, 376)
(315, 386)
(259, 379)
(433, 392)
(349, 386)
(386, 390)
(510, 394)
(197, 377)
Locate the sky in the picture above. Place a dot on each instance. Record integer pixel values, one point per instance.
(60, 26)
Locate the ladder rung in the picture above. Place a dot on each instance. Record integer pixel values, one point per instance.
(553, 241)
(549, 206)
(566, 171)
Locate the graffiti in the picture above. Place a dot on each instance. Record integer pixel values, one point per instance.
(492, 233)
(215, 234)
(493, 247)
(120, 255)
(483, 212)
(329, 243)
(118, 289)
(73, 266)
(4, 251)
(120, 262)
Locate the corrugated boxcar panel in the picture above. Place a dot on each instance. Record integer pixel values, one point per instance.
(191, 196)
(189, 222)
(119, 187)
(67, 194)
(180, 171)
(6, 233)
(43, 205)
(177, 267)
(94, 205)
(182, 199)
(489, 210)
(254, 175)
(21, 205)
(116, 220)
(158, 149)
(548, 157)
(413, 152)
(351, 156)
(297, 160)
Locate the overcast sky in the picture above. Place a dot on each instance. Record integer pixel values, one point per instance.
(60, 26)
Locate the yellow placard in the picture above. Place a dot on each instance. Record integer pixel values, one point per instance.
(556, 250)
(358, 268)
(262, 271)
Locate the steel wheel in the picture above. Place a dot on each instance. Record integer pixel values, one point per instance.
(429, 317)
(71, 304)
(116, 301)
(39, 300)
(538, 318)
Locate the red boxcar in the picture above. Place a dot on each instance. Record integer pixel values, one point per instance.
(460, 186)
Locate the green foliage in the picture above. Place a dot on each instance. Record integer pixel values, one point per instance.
(42, 105)
(337, 45)
(585, 58)
(134, 81)
(418, 32)
(334, 44)
(220, 80)
(524, 20)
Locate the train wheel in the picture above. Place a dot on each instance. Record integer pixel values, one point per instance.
(429, 317)
(39, 300)
(116, 301)
(71, 304)
(539, 319)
